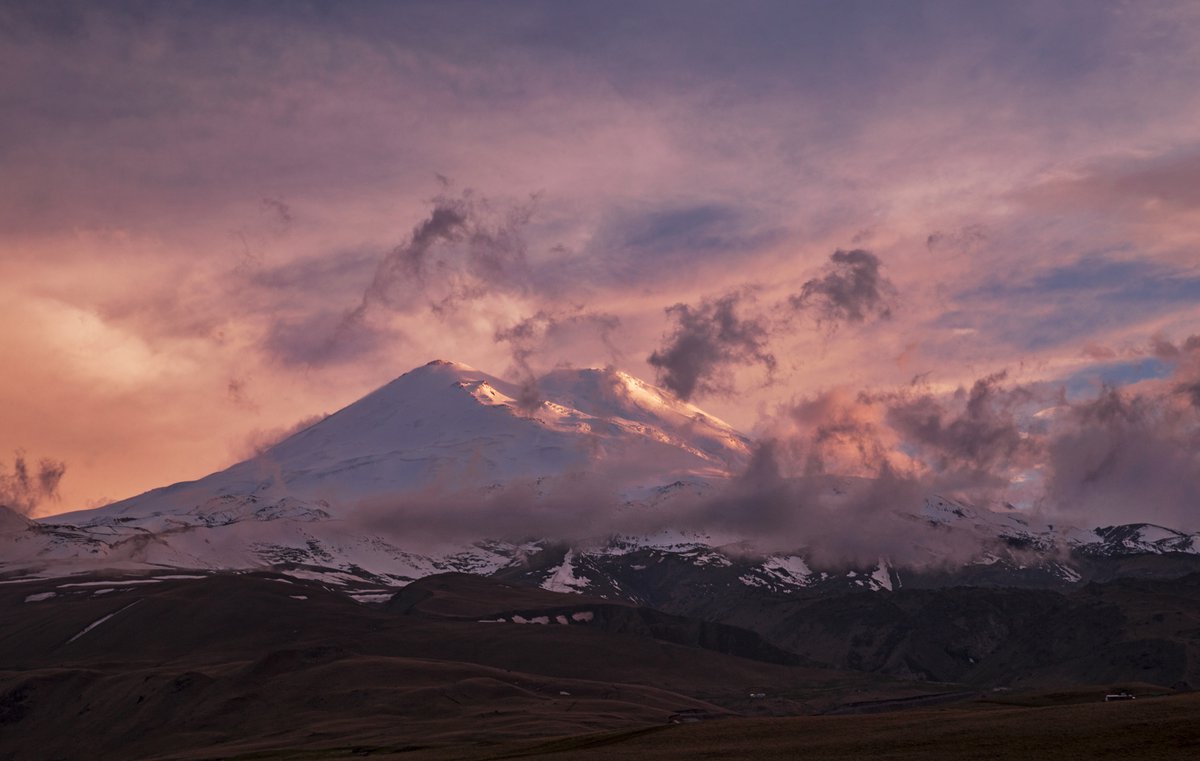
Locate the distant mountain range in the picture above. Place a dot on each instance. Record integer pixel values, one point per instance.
(414, 478)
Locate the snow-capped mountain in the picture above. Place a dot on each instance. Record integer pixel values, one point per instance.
(342, 500)
(442, 430)
(447, 426)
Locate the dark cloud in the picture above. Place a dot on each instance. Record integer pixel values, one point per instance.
(851, 289)
(711, 339)
(1192, 344)
(1125, 454)
(407, 266)
(235, 389)
(833, 475)
(837, 521)
(707, 341)
(963, 240)
(573, 507)
(24, 489)
(974, 439)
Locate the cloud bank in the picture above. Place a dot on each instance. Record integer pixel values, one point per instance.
(844, 474)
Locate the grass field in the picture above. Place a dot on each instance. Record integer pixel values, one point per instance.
(1058, 728)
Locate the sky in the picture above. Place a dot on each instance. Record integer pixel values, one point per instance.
(219, 220)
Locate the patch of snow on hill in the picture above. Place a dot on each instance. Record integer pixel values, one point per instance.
(882, 575)
(563, 578)
(790, 569)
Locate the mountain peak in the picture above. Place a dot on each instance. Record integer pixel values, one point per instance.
(445, 363)
(446, 425)
(438, 378)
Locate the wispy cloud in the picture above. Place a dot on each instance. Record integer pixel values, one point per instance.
(26, 487)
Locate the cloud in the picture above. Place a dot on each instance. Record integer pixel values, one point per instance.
(23, 490)
(707, 340)
(712, 339)
(1041, 307)
(1122, 455)
(575, 507)
(840, 522)
(845, 474)
(1098, 352)
(852, 289)
(832, 432)
(1186, 375)
(965, 240)
(979, 444)
(323, 337)
(407, 267)
(550, 332)
(1192, 390)
(258, 441)
(399, 277)
(836, 521)
(1125, 457)
(236, 392)
(1141, 187)
(467, 251)
(656, 239)
(281, 211)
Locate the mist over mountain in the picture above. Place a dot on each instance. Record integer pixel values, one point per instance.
(447, 469)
